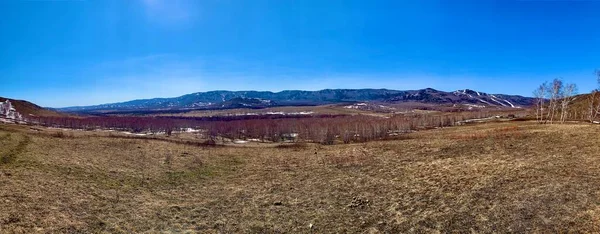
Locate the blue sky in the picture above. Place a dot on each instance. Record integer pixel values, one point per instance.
(65, 53)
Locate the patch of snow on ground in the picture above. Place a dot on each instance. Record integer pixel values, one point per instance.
(302, 113)
(475, 106)
(356, 105)
(190, 130)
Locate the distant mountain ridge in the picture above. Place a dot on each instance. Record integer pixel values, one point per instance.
(261, 99)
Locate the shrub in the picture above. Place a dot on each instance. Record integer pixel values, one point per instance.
(62, 135)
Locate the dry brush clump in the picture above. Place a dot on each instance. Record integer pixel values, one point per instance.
(62, 134)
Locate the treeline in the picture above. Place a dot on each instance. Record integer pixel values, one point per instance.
(557, 102)
(326, 129)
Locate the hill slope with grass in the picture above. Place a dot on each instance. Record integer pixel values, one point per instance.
(28, 109)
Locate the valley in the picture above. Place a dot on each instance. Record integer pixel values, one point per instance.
(191, 116)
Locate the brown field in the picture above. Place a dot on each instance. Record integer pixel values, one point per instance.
(495, 177)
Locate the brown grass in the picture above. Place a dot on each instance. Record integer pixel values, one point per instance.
(296, 145)
(498, 177)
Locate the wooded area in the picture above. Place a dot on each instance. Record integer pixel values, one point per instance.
(558, 101)
(325, 129)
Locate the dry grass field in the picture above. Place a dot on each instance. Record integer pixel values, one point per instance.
(496, 177)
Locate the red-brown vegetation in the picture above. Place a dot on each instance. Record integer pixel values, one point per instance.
(325, 129)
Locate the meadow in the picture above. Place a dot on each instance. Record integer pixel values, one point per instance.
(515, 176)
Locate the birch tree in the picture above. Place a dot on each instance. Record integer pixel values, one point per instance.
(567, 96)
(540, 96)
(593, 105)
(594, 100)
(554, 93)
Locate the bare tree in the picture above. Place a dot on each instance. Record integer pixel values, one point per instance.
(594, 100)
(554, 93)
(567, 96)
(540, 95)
(593, 105)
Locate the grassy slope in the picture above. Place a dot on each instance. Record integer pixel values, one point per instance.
(500, 177)
(26, 108)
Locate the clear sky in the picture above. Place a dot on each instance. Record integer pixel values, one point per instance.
(65, 53)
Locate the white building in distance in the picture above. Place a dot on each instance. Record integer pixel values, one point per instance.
(8, 111)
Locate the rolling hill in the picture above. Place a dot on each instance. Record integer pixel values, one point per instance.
(26, 108)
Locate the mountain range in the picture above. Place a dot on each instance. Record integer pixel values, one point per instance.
(264, 99)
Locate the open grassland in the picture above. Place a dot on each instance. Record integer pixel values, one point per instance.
(495, 177)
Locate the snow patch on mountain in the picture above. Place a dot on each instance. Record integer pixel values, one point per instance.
(488, 99)
(509, 103)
